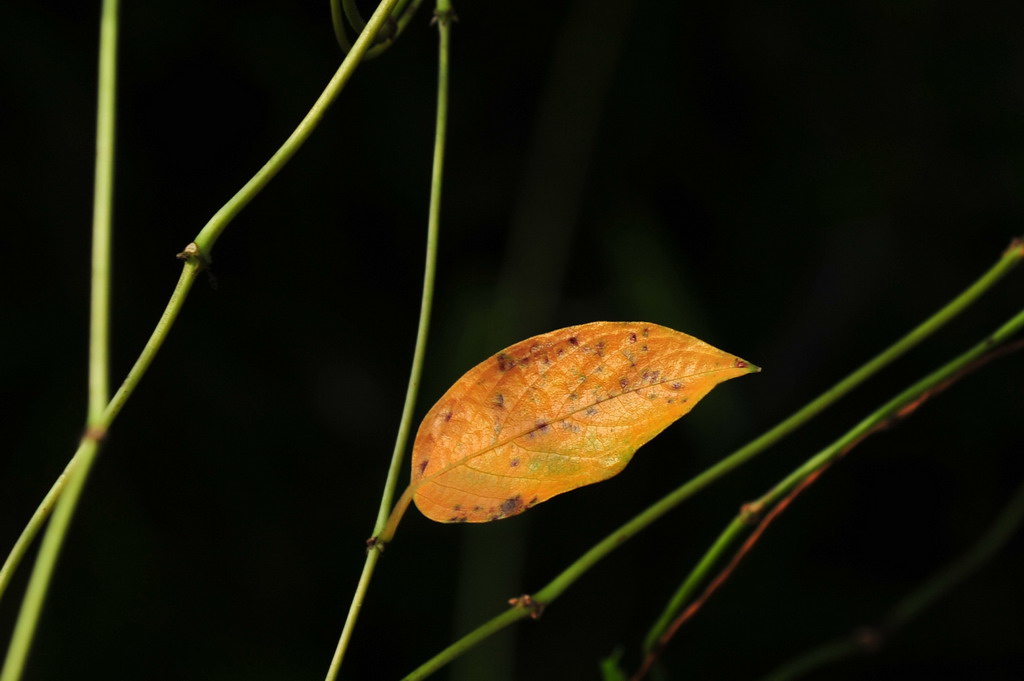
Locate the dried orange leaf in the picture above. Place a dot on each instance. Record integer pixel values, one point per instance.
(556, 412)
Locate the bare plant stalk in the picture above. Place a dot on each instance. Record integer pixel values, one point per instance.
(571, 574)
(99, 350)
(444, 18)
(64, 493)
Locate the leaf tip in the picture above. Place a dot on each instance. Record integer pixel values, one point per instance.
(744, 364)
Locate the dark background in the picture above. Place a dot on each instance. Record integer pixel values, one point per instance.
(797, 183)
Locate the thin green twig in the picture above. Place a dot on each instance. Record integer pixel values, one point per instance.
(405, 425)
(69, 486)
(868, 639)
(220, 220)
(342, 10)
(102, 217)
(99, 350)
(896, 408)
(63, 495)
(563, 581)
(355, 19)
(196, 255)
(683, 594)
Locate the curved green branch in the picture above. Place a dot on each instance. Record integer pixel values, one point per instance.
(208, 236)
(1011, 257)
(426, 302)
(64, 493)
(887, 413)
(346, 10)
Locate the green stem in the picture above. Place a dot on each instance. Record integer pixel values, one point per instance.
(216, 225)
(426, 301)
(995, 538)
(338, 22)
(68, 488)
(403, 13)
(471, 639)
(33, 526)
(576, 570)
(825, 457)
(96, 430)
(103, 196)
(747, 452)
(35, 594)
(696, 577)
(194, 261)
(429, 272)
(99, 367)
(352, 14)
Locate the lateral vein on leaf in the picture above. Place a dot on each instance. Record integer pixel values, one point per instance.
(532, 386)
(501, 443)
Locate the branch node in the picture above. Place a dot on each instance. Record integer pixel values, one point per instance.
(95, 433)
(751, 512)
(375, 544)
(527, 601)
(1016, 245)
(444, 17)
(192, 253)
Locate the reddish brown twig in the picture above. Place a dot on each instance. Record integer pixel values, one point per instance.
(756, 507)
(719, 579)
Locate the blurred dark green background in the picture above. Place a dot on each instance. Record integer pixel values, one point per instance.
(797, 183)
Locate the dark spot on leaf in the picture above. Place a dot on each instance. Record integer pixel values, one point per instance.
(560, 352)
(478, 508)
(645, 333)
(448, 416)
(676, 385)
(513, 463)
(643, 348)
(532, 502)
(671, 400)
(573, 396)
(623, 382)
(505, 362)
(457, 507)
(524, 360)
(632, 338)
(652, 396)
(545, 360)
(574, 341)
(740, 364)
(600, 349)
(542, 426)
(499, 401)
(423, 465)
(512, 506)
(591, 411)
(599, 369)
